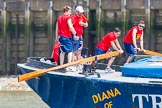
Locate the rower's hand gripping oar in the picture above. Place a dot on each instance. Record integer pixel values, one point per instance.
(152, 53)
(38, 73)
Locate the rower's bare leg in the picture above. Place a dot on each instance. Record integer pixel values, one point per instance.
(62, 56)
(73, 57)
(110, 62)
(129, 59)
(78, 54)
(70, 57)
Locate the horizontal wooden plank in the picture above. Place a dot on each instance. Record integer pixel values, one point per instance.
(20, 48)
(156, 4)
(135, 4)
(59, 4)
(111, 4)
(158, 47)
(41, 53)
(19, 54)
(158, 40)
(18, 41)
(44, 40)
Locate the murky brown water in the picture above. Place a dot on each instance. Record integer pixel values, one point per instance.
(20, 99)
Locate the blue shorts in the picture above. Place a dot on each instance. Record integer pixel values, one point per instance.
(99, 51)
(129, 48)
(78, 44)
(66, 44)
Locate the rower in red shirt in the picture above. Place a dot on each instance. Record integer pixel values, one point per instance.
(64, 31)
(79, 22)
(130, 44)
(109, 40)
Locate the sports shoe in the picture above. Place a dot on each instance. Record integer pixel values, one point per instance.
(45, 61)
(79, 68)
(125, 63)
(71, 69)
(109, 70)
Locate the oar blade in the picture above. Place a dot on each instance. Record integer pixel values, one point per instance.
(31, 75)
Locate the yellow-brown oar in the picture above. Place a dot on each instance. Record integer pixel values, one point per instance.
(152, 53)
(38, 73)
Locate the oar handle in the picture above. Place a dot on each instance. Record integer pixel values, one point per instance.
(152, 53)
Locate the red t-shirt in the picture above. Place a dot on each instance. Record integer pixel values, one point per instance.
(75, 20)
(63, 28)
(105, 44)
(128, 37)
(55, 53)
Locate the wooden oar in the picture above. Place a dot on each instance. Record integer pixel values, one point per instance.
(152, 53)
(38, 73)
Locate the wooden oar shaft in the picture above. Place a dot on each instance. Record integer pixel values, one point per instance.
(30, 75)
(152, 53)
(81, 61)
(34, 74)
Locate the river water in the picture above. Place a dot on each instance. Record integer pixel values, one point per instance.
(20, 99)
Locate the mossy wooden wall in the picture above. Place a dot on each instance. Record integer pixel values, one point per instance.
(110, 12)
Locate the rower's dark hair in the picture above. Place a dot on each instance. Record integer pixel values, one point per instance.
(116, 29)
(141, 22)
(66, 8)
